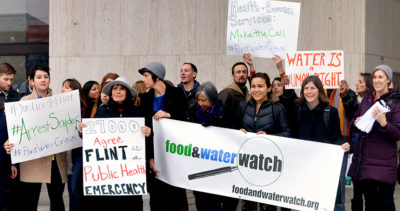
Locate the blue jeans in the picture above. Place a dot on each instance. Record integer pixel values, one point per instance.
(340, 195)
(75, 185)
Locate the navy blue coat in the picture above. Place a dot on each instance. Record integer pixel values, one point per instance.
(4, 157)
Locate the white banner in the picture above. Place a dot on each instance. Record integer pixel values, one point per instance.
(327, 65)
(262, 27)
(297, 174)
(43, 127)
(114, 157)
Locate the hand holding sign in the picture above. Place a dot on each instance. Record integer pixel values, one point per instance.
(113, 156)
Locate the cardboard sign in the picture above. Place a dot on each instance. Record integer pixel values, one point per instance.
(262, 168)
(114, 157)
(43, 127)
(262, 27)
(327, 65)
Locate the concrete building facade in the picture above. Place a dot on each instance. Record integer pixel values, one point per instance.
(89, 38)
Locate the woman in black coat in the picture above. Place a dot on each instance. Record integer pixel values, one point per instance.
(262, 116)
(317, 121)
(119, 105)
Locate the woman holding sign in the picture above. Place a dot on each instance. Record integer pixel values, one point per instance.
(121, 105)
(262, 116)
(51, 169)
(374, 160)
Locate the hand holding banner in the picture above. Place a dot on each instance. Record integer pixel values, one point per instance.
(262, 168)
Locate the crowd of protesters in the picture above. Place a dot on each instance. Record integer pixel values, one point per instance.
(266, 108)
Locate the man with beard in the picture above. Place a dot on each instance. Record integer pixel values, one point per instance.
(237, 91)
(7, 93)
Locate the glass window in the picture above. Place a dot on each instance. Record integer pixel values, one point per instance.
(24, 35)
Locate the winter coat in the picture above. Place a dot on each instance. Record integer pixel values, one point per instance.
(350, 103)
(271, 118)
(230, 97)
(174, 104)
(111, 110)
(39, 170)
(375, 153)
(191, 98)
(12, 96)
(310, 124)
(4, 157)
(214, 116)
(23, 88)
(288, 100)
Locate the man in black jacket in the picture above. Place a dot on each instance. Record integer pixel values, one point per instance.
(188, 83)
(7, 93)
(162, 101)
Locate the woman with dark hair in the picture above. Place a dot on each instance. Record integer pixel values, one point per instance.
(91, 94)
(287, 97)
(50, 169)
(317, 121)
(209, 111)
(374, 160)
(351, 101)
(259, 114)
(107, 78)
(119, 105)
(75, 177)
(262, 116)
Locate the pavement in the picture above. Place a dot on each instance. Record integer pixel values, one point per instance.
(44, 199)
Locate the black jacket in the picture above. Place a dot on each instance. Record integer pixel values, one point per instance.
(350, 103)
(174, 104)
(311, 125)
(12, 96)
(288, 100)
(111, 110)
(5, 160)
(191, 98)
(271, 118)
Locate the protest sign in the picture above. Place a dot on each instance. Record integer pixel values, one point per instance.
(262, 27)
(114, 157)
(44, 126)
(298, 174)
(327, 65)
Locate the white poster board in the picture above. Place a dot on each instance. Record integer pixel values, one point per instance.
(298, 174)
(327, 65)
(114, 157)
(44, 126)
(262, 27)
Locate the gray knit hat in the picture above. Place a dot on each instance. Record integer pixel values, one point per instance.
(209, 91)
(122, 81)
(386, 69)
(156, 68)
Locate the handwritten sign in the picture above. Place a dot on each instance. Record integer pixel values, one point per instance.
(114, 157)
(262, 27)
(328, 65)
(43, 127)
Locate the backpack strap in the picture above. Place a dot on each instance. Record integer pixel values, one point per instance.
(326, 116)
